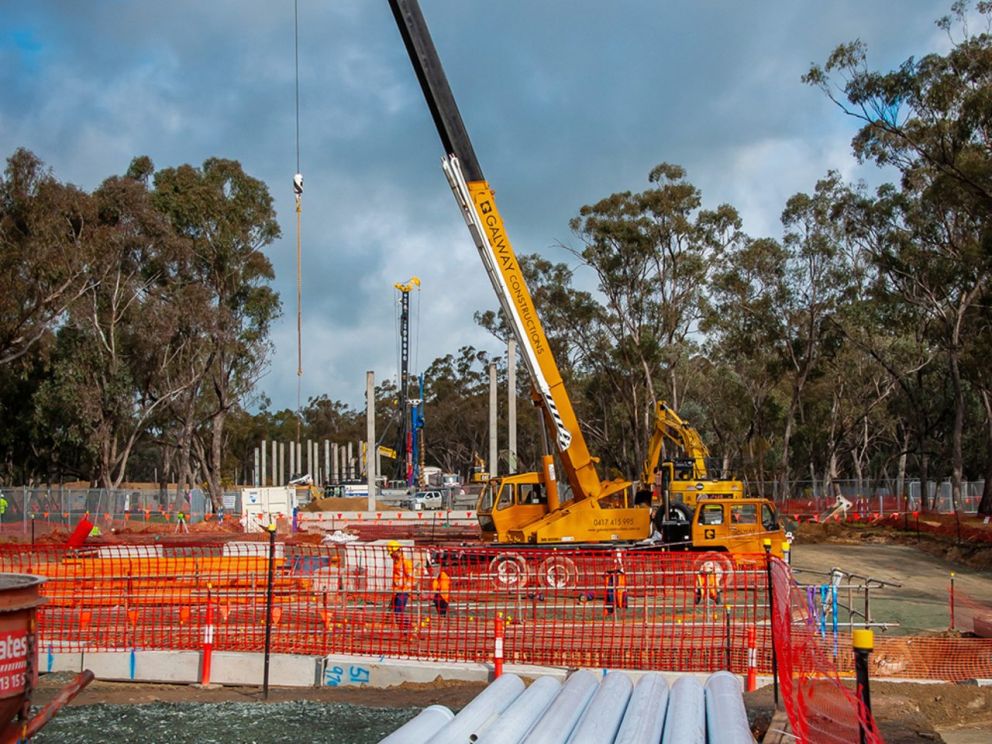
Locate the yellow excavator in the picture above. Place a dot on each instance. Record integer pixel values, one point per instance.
(478, 472)
(535, 508)
(686, 479)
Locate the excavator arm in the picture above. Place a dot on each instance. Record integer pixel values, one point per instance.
(669, 425)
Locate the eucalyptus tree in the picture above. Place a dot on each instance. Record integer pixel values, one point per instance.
(930, 119)
(814, 285)
(456, 401)
(46, 232)
(652, 253)
(118, 338)
(228, 219)
(744, 335)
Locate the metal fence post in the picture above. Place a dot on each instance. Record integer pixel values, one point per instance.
(268, 608)
(863, 641)
(767, 543)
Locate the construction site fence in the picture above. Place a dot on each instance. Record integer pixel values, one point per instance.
(633, 610)
(61, 508)
(956, 526)
(881, 495)
(594, 608)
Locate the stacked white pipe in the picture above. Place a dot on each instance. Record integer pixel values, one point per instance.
(589, 710)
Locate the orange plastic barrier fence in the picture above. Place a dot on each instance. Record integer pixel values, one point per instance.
(820, 708)
(634, 610)
(631, 609)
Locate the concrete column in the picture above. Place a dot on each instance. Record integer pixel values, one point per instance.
(370, 436)
(299, 458)
(257, 470)
(511, 408)
(327, 460)
(275, 478)
(351, 461)
(281, 472)
(292, 462)
(334, 462)
(261, 472)
(493, 451)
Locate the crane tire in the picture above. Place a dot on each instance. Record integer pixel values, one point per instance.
(558, 572)
(509, 571)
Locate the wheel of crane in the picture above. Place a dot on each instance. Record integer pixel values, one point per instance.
(509, 571)
(558, 572)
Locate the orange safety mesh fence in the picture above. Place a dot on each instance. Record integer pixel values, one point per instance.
(632, 609)
(969, 614)
(636, 610)
(821, 708)
(963, 528)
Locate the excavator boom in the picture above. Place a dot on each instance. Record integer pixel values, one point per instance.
(669, 425)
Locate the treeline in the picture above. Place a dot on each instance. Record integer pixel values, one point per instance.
(134, 320)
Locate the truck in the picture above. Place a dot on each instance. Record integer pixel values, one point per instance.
(684, 480)
(535, 508)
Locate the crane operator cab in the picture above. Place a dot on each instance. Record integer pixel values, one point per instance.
(510, 502)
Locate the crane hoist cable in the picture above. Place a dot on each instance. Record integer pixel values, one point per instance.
(298, 194)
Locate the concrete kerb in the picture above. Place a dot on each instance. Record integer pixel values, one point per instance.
(289, 670)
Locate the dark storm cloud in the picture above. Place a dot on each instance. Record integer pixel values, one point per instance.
(566, 102)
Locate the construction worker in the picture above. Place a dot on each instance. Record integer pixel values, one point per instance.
(402, 582)
(708, 582)
(616, 587)
(441, 586)
(3, 506)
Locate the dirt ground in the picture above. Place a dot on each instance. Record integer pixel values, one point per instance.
(906, 712)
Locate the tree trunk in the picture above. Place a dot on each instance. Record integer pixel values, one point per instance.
(214, 471)
(985, 505)
(901, 496)
(786, 443)
(957, 458)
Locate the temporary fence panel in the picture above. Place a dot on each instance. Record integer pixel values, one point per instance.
(821, 709)
(633, 609)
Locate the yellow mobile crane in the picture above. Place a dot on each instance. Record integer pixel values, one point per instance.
(531, 508)
(687, 479)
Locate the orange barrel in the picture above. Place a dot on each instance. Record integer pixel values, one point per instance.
(19, 600)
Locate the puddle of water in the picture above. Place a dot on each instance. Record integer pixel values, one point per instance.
(298, 722)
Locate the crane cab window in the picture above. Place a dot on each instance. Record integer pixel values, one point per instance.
(744, 514)
(712, 514)
(506, 493)
(769, 520)
(486, 499)
(530, 493)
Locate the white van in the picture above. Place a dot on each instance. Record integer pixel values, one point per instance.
(426, 500)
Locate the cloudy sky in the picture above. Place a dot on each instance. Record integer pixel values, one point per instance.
(566, 103)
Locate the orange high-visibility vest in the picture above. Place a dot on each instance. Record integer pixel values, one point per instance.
(402, 573)
(441, 585)
(708, 581)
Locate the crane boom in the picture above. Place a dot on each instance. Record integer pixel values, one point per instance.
(478, 207)
(525, 507)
